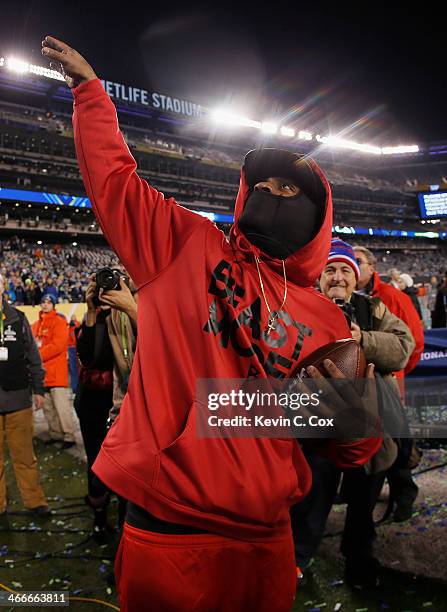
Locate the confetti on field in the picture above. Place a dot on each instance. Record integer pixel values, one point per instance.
(337, 607)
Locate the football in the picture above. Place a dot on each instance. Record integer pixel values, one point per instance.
(346, 354)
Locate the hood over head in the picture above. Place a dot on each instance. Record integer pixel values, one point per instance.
(304, 265)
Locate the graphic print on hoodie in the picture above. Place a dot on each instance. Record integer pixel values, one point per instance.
(201, 315)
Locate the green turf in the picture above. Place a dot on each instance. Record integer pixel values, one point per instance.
(398, 592)
(78, 563)
(83, 566)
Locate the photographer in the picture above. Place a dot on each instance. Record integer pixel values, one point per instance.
(388, 343)
(105, 344)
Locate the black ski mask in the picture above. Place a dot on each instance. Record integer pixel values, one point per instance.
(279, 225)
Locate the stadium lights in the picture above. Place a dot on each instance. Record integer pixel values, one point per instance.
(268, 128)
(231, 119)
(400, 149)
(16, 65)
(287, 131)
(39, 242)
(334, 141)
(21, 67)
(303, 135)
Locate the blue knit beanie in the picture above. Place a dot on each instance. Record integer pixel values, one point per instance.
(50, 297)
(342, 251)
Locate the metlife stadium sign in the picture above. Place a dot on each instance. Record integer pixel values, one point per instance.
(155, 100)
(16, 69)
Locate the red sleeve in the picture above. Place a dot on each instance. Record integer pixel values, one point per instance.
(404, 309)
(146, 230)
(414, 323)
(401, 305)
(352, 454)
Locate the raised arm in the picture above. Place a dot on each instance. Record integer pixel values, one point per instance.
(146, 230)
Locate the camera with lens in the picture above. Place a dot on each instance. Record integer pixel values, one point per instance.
(108, 279)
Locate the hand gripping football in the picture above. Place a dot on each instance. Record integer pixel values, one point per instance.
(346, 354)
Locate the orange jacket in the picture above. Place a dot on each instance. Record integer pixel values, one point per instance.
(51, 334)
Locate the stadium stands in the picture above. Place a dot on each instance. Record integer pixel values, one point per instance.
(36, 151)
(198, 166)
(30, 265)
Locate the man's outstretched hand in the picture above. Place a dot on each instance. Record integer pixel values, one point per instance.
(73, 67)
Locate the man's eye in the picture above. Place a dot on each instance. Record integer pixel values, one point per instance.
(287, 186)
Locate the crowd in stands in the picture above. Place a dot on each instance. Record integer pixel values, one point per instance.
(31, 270)
(419, 265)
(421, 258)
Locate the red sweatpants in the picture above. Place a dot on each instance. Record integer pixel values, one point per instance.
(203, 573)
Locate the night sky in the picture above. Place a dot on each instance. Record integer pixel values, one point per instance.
(373, 73)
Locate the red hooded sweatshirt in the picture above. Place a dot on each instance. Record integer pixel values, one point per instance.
(401, 305)
(201, 315)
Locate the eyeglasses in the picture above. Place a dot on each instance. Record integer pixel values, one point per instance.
(360, 262)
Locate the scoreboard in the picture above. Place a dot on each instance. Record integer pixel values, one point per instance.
(433, 204)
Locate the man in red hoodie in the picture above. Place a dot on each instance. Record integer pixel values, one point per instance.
(211, 515)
